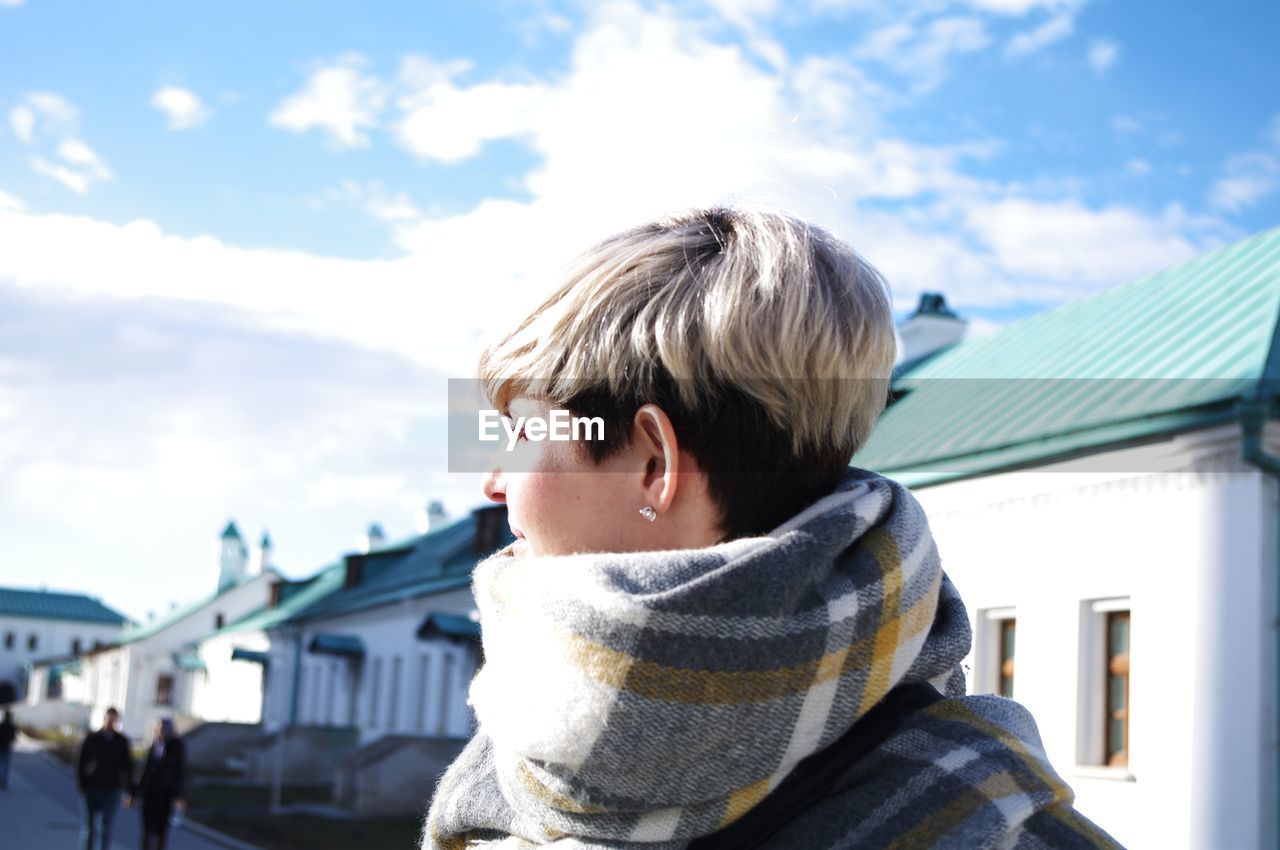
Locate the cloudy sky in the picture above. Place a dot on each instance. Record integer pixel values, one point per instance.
(242, 245)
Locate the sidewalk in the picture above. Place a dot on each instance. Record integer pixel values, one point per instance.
(41, 811)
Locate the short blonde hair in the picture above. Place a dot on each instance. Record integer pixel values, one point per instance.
(708, 304)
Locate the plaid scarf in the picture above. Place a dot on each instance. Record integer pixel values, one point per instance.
(647, 699)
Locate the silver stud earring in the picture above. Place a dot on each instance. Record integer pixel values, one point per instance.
(649, 513)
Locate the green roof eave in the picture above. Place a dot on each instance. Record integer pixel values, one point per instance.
(449, 625)
(350, 646)
(253, 656)
(1059, 448)
(189, 661)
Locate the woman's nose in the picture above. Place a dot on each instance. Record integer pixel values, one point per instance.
(495, 487)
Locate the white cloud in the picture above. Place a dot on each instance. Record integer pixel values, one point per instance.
(48, 122)
(1072, 243)
(11, 203)
(45, 113)
(72, 179)
(1251, 176)
(22, 119)
(1138, 166)
(1126, 125)
(339, 100)
(1103, 53)
(11, 3)
(183, 108)
(449, 124)
(1017, 8)
(923, 53)
(621, 136)
(1031, 41)
(80, 168)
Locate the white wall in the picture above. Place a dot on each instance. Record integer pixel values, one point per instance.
(133, 688)
(230, 691)
(53, 637)
(338, 692)
(1190, 551)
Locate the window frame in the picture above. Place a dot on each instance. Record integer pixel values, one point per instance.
(1093, 733)
(989, 648)
(172, 680)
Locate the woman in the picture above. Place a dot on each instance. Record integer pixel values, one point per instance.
(160, 787)
(711, 633)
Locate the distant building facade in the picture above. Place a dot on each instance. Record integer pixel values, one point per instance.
(37, 624)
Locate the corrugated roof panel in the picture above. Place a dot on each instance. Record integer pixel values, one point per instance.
(49, 605)
(1182, 339)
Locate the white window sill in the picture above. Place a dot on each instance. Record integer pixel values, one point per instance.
(1096, 771)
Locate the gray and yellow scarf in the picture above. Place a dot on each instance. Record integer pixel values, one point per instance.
(646, 699)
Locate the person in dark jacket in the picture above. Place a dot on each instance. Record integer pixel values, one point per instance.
(8, 734)
(160, 787)
(104, 768)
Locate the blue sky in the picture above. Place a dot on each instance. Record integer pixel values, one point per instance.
(243, 245)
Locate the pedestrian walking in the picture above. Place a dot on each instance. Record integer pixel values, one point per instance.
(104, 769)
(8, 734)
(160, 787)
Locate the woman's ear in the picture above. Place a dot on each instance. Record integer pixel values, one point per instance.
(654, 438)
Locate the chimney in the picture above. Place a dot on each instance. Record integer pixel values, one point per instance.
(355, 569)
(233, 558)
(372, 539)
(931, 328)
(489, 523)
(431, 517)
(262, 556)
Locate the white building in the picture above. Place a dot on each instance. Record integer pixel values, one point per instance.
(151, 671)
(37, 624)
(235, 658)
(1101, 480)
(394, 649)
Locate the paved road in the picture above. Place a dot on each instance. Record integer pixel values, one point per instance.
(40, 811)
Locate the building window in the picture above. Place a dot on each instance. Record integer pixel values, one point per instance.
(446, 692)
(219, 621)
(32, 642)
(75, 646)
(1117, 717)
(375, 685)
(994, 651)
(424, 689)
(1103, 711)
(164, 689)
(393, 706)
(334, 672)
(9, 638)
(1008, 633)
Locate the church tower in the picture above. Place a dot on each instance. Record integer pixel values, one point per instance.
(233, 558)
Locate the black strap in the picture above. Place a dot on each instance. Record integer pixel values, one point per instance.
(815, 777)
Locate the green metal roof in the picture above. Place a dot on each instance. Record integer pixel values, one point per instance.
(295, 596)
(231, 531)
(48, 605)
(1167, 353)
(438, 561)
